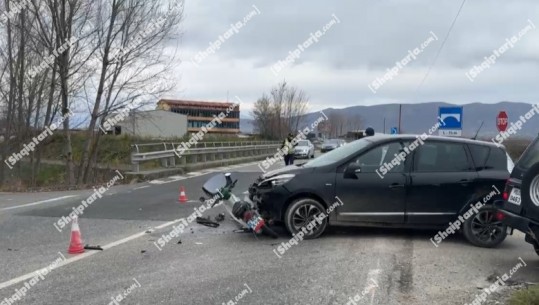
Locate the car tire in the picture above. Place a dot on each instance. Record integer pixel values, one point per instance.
(312, 156)
(530, 192)
(536, 247)
(483, 230)
(300, 214)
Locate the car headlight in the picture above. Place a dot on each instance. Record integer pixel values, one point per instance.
(277, 180)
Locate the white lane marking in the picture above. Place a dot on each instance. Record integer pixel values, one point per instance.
(70, 260)
(170, 181)
(141, 187)
(124, 240)
(372, 277)
(197, 174)
(38, 202)
(87, 254)
(166, 224)
(51, 267)
(157, 182)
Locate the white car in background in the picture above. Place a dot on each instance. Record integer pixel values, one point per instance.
(304, 149)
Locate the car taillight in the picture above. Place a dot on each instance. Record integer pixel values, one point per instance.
(500, 216)
(505, 194)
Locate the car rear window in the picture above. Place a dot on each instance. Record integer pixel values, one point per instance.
(479, 155)
(530, 156)
(497, 159)
(485, 157)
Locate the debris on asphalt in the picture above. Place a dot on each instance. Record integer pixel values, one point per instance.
(220, 217)
(88, 247)
(149, 231)
(244, 230)
(199, 243)
(207, 222)
(179, 241)
(142, 251)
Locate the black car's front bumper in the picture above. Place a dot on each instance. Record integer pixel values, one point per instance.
(521, 223)
(270, 201)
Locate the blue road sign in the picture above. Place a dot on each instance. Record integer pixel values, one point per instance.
(452, 121)
(394, 130)
(451, 116)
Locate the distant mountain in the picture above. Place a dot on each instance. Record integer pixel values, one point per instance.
(246, 125)
(419, 118)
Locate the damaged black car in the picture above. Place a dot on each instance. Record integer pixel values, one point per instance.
(390, 181)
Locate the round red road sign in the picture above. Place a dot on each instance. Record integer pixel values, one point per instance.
(501, 121)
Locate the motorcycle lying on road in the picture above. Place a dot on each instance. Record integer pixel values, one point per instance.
(219, 188)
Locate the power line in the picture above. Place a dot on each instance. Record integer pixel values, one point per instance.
(441, 46)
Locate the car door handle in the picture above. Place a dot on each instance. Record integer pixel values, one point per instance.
(464, 182)
(395, 185)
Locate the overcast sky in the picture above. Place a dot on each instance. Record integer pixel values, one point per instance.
(369, 38)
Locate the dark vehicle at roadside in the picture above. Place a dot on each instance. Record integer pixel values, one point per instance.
(429, 187)
(331, 144)
(520, 207)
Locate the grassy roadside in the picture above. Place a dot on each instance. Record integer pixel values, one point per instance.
(114, 154)
(526, 296)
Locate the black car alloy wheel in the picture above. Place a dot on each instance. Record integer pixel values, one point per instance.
(303, 213)
(484, 230)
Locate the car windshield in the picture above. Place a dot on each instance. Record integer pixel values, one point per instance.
(339, 154)
(303, 143)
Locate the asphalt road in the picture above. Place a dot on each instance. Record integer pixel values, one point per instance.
(218, 266)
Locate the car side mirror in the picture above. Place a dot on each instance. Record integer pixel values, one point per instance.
(351, 170)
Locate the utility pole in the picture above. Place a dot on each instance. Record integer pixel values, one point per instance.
(384, 124)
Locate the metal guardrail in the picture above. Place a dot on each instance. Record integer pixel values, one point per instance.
(200, 152)
(173, 145)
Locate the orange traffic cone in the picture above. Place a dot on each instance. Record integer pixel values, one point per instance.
(75, 246)
(183, 197)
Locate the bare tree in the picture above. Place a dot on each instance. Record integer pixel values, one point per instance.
(129, 57)
(49, 51)
(281, 111)
(337, 122)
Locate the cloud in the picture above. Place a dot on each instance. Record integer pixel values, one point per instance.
(371, 37)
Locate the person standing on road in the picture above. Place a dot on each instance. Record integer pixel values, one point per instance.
(288, 149)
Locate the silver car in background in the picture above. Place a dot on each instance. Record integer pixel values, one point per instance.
(331, 144)
(304, 149)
